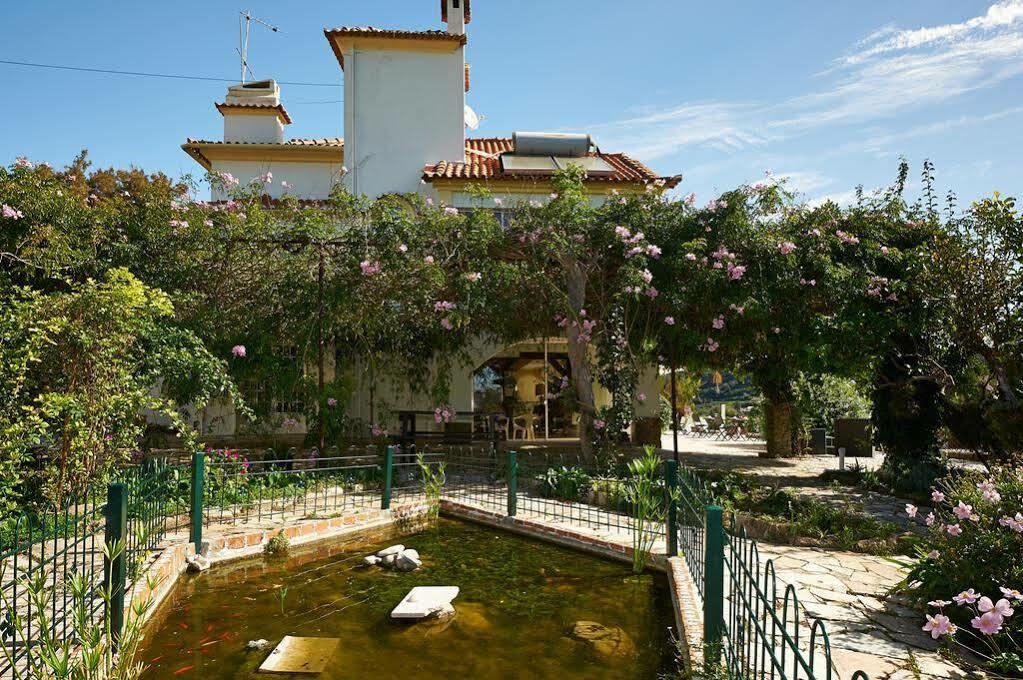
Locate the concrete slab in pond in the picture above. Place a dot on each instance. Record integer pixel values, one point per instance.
(424, 601)
(300, 655)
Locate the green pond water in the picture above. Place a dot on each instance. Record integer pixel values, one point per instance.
(516, 611)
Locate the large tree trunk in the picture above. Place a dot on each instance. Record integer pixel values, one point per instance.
(778, 410)
(578, 356)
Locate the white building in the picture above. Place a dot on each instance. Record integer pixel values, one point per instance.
(404, 126)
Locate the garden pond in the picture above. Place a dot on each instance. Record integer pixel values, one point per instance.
(516, 614)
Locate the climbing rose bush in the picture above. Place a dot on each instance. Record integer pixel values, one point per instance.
(970, 574)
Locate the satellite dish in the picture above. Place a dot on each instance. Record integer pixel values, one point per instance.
(472, 121)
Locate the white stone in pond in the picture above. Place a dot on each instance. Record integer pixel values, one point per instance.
(424, 601)
(393, 550)
(371, 560)
(388, 560)
(408, 561)
(261, 643)
(411, 552)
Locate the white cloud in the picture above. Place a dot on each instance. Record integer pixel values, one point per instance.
(999, 15)
(892, 72)
(803, 181)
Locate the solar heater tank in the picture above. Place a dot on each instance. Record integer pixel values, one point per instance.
(551, 144)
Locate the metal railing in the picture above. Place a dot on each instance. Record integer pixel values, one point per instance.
(43, 548)
(749, 632)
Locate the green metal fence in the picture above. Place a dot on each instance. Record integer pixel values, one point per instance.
(754, 625)
(45, 546)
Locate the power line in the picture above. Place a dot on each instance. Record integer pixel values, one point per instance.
(148, 75)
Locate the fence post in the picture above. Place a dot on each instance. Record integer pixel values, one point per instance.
(513, 483)
(671, 491)
(115, 572)
(198, 484)
(385, 501)
(714, 585)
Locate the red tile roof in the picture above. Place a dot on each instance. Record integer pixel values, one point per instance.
(279, 108)
(444, 11)
(372, 32)
(483, 162)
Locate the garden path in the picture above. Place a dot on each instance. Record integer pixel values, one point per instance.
(869, 629)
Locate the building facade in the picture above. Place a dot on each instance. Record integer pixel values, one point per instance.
(405, 121)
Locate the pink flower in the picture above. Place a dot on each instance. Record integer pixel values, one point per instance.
(331, 401)
(369, 268)
(911, 509)
(712, 345)
(289, 424)
(670, 320)
(718, 323)
(786, 247)
(402, 248)
(929, 520)
(966, 597)
(1011, 593)
(474, 277)
(599, 424)
(238, 351)
(1014, 523)
(23, 162)
(989, 491)
(953, 529)
(989, 623)
(1002, 607)
(933, 555)
(446, 323)
(653, 251)
(450, 211)
(962, 511)
(690, 199)
(11, 213)
(443, 306)
(651, 292)
(267, 177)
(938, 603)
(937, 496)
(428, 259)
(939, 625)
(691, 257)
(379, 431)
(228, 179)
(641, 397)
(736, 272)
(285, 184)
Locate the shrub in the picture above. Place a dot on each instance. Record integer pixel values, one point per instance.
(564, 483)
(278, 545)
(970, 572)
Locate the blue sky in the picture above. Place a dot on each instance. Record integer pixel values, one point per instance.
(829, 94)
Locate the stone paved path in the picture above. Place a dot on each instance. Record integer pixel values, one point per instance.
(869, 630)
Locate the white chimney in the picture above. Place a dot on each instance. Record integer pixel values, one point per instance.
(455, 13)
(253, 113)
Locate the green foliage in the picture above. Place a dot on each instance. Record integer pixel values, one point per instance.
(277, 546)
(822, 399)
(796, 516)
(646, 493)
(433, 479)
(564, 483)
(79, 368)
(91, 652)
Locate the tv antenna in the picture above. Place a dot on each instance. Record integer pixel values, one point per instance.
(245, 20)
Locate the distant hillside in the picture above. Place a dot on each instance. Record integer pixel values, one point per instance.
(731, 389)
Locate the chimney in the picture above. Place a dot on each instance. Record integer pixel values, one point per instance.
(456, 13)
(253, 113)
